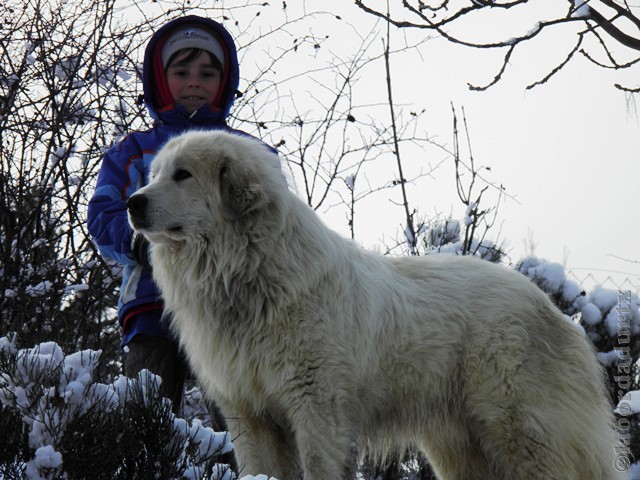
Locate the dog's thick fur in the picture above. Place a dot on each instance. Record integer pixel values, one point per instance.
(310, 343)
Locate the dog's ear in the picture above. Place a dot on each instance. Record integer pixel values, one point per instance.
(239, 195)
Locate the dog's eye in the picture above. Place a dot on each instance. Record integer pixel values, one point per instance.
(181, 174)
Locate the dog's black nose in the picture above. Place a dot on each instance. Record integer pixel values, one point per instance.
(137, 205)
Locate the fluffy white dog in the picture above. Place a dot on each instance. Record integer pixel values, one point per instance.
(310, 343)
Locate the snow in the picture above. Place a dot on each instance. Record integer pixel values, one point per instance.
(50, 389)
(552, 274)
(124, 76)
(69, 289)
(39, 289)
(617, 309)
(581, 9)
(7, 344)
(572, 292)
(470, 213)
(611, 321)
(604, 299)
(350, 181)
(45, 457)
(76, 375)
(209, 441)
(591, 314)
(60, 152)
(629, 404)
(9, 80)
(21, 397)
(608, 358)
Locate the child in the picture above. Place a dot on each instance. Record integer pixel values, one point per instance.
(190, 77)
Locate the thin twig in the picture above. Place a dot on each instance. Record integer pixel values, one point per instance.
(410, 230)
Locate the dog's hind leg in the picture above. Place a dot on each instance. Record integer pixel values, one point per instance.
(523, 448)
(539, 411)
(544, 446)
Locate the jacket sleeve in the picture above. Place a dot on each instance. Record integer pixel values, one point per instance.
(120, 175)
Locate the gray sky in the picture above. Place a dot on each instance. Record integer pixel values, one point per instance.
(568, 151)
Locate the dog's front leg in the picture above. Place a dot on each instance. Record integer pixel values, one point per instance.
(262, 447)
(323, 439)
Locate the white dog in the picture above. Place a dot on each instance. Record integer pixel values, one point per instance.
(310, 343)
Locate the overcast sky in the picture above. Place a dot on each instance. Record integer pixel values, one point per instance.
(568, 151)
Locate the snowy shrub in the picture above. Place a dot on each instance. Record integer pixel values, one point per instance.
(445, 237)
(611, 318)
(61, 424)
(551, 278)
(443, 234)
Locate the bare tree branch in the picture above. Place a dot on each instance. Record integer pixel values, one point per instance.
(619, 24)
(410, 231)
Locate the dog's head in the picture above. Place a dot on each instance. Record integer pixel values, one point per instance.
(202, 181)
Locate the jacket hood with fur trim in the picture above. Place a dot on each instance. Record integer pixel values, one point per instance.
(176, 115)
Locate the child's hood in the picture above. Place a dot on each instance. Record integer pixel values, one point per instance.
(230, 76)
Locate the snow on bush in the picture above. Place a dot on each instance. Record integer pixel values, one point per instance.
(629, 404)
(550, 277)
(59, 418)
(602, 309)
(445, 237)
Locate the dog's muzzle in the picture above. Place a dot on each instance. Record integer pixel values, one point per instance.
(137, 206)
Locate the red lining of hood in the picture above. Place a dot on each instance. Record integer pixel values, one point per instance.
(161, 92)
(162, 96)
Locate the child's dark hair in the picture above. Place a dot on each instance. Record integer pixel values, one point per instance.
(192, 54)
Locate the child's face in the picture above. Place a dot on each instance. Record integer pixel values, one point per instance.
(193, 84)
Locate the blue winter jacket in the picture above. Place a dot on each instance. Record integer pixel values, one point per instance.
(125, 169)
